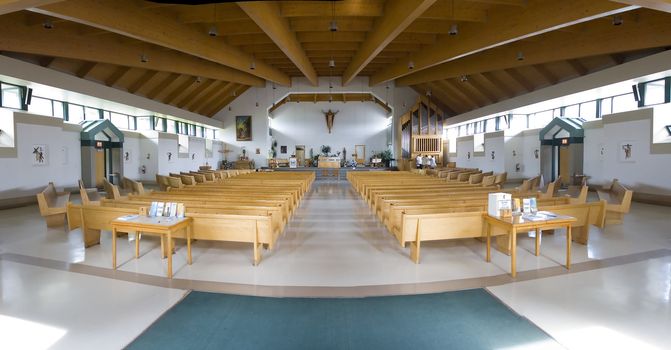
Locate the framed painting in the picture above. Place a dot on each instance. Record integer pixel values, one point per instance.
(243, 128)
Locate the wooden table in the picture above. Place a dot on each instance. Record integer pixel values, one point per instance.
(514, 224)
(152, 225)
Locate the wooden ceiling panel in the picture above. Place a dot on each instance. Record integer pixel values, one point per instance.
(291, 38)
(347, 24)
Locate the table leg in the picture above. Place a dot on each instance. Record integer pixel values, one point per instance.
(188, 243)
(513, 252)
(137, 244)
(169, 256)
(568, 247)
(538, 241)
(489, 242)
(114, 248)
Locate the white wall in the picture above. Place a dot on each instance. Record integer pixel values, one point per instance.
(648, 173)
(355, 123)
(20, 177)
(399, 98)
(131, 167)
(493, 142)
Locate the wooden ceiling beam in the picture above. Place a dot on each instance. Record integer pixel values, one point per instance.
(159, 30)
(205, 92)
(217, 107)
(494, 83)
(9, 6)
(220, 12)
(455, 12)
(119, 72)
(577, 66)
(484, 90)
(650, 31)
(470, 90)
(519, 79)
(539, 17)
(65, 43)
(151, 94)
(398, 15)
(269, 17)
(351, 8)
(182, 89)
(347, 24)
(546, 73)
(140, 82)
(200, 88)
(163, 90)
(450, 90)
(444, 101)
(224, 91)
(85, 69)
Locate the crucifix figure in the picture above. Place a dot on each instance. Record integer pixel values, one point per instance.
(627, 150)
(330, 116)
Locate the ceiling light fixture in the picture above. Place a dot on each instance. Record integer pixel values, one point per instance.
(454, 29)
(411, 65)
(617, 20)
(463, 78)
(144, 58)
(213, 29)
(520, 56)
(199, 80)
(47, 24)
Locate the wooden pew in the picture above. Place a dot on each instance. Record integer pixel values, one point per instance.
(88, 195)
(618, 198)
(94, 218)
(456, 225)
(53, 205)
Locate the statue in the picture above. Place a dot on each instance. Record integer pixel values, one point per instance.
(330, 116)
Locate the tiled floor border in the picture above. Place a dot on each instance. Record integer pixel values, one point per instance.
(334, 292)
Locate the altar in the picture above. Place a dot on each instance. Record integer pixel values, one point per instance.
(329, 163)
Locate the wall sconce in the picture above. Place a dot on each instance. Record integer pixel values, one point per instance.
(493, 155)
(0, 132)
(536, 153)
(514, 153)
(468, 155)
(518, 167)
(148, 156)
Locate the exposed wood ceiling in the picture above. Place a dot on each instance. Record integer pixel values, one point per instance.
(164, 51)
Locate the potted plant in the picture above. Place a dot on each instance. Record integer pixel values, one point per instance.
(326, 150)
(386, 157)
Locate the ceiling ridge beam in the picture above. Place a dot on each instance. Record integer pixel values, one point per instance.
(126, 17)
(268, 16)
(398, 15)
(537, 18)
(600, 39)
(61, 42)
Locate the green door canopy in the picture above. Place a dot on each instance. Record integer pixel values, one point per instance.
(100, 130)
(559, 129)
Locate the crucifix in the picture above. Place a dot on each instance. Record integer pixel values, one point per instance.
(330, 116)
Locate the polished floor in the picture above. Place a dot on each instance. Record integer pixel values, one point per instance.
(334, 246)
